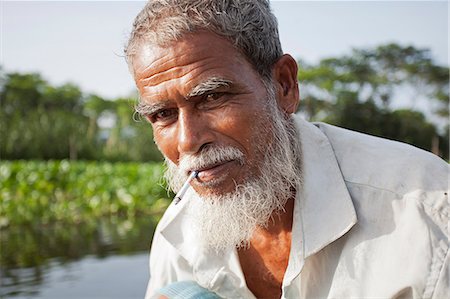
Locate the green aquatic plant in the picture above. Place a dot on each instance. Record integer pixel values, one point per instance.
(43, 192)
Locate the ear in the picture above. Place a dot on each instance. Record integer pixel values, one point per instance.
(285, 77)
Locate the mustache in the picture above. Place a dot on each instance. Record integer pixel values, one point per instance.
(208, 157)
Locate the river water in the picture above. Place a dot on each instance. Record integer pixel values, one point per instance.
(106, 258)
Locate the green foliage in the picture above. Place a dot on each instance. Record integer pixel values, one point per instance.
(40, 121)
(356, 92)
(405, 125)
(35, 192)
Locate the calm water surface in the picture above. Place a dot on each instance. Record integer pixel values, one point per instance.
(107, 258)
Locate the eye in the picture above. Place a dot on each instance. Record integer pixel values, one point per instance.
(163, 116)
(213, 96)
(212, 100)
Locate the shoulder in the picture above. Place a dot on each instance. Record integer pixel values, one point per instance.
(385, 164)
(389, 179)
(400, 194)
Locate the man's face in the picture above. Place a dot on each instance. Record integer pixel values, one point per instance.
(198, 93)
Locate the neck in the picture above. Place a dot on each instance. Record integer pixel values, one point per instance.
(265, 261)
(279, 224)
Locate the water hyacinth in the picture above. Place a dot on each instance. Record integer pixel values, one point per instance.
(42, 192)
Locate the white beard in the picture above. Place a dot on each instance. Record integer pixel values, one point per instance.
(224, 220)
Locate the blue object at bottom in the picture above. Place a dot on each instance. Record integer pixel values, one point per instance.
(186, 290)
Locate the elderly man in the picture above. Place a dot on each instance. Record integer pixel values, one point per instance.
(280, 207)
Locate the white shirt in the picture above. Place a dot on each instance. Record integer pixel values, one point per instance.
(371, 221)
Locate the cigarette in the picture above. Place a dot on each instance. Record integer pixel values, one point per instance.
(186, 185)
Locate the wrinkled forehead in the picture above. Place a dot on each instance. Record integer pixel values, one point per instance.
(184, 50)
(189, 61)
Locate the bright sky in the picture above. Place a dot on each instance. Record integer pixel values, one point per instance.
(82, 41)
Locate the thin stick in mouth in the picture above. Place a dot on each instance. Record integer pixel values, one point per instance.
(185, 187)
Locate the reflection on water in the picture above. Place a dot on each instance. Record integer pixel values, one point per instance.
(115, 276)
(95, 258)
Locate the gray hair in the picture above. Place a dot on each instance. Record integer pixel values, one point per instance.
(248, 24)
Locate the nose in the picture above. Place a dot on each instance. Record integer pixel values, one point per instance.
(193, 133)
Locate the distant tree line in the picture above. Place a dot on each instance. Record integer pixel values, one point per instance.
(356, 91)
(41, 121)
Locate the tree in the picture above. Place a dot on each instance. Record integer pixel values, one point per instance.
(39, 121)
(357, 91)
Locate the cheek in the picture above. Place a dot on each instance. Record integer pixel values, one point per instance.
(167, 144)
(239, 127)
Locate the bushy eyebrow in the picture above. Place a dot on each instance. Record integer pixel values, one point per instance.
(209, 85)
(202, 88)
(148, 109)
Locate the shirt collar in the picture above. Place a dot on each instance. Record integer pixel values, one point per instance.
(323, 210)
